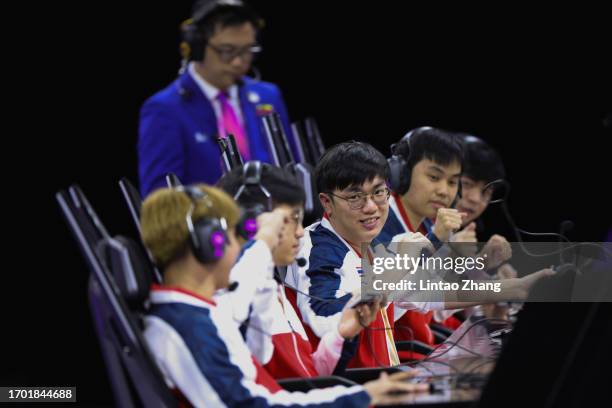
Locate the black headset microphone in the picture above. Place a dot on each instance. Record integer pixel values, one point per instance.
(230, 288)
(564, 227)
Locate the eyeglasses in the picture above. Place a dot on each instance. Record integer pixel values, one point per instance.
(298, 217)
(228, 53)
(357, 201)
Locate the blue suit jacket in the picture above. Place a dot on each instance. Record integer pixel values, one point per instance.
(178, 128)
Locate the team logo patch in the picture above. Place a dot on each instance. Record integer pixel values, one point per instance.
(264, 109)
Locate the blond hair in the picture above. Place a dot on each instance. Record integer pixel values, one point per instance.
(163, 224)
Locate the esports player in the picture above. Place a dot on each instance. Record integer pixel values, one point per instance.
(195, 342)
(274, 331)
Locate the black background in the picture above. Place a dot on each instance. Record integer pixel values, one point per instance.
(534, 83)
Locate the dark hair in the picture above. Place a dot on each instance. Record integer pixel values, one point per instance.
(482, 162)
(349, 163)
(223, 15)
(440, 146)
(282, 186)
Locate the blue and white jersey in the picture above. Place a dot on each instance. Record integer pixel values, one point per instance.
(332, 272)
(201, 353)
(398, 223)
(331, 276)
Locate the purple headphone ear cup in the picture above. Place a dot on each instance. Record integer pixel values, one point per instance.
(250, 227)
(217, 241)
(247, 226)
(212, 239)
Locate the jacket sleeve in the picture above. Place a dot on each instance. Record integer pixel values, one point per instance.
(209, 372)
(328, 352)
(251, 271)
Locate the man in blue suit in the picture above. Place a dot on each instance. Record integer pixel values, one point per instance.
(212, 97)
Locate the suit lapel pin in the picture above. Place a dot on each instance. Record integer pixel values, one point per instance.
(253, 97)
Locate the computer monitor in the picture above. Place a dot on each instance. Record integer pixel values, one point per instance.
(557, 355)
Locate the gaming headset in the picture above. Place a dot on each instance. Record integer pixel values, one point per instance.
(207, 235)
(194, 41)
(251, 208)
(400, 172)
(468, 139)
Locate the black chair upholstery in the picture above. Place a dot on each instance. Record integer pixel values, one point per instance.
(363, 375)
(135, 379)
(443, 330)
(130, 269)
(413, 345)
(173, 181)
(134, 202)
(307, 384)
(132, 198)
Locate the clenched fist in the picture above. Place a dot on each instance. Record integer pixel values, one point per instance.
(497, 250)
(270, 226)
(447, 220)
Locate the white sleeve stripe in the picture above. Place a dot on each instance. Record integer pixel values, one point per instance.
(172, 354)
(316, 396)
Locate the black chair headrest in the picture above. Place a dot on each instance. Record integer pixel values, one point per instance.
(130, 268)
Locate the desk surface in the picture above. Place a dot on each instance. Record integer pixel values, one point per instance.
(458, 370)
(462, 386)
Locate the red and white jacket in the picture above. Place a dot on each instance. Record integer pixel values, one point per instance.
(274, 333)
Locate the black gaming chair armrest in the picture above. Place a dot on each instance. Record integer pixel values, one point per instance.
(436, 327)
(363, 375)
(438, 337)
(307, 384)
(413, 345)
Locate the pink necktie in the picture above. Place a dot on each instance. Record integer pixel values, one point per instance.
(231, 125)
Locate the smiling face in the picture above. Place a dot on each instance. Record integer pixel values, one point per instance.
(358, 225)
(432, 186)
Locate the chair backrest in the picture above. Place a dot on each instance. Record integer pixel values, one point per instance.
(134, 377)
(130, 269)
(134, 202)
(84, 231)
(82, 204)
(313, 138)
(132, 198)
(123, 390)
(173, 181)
